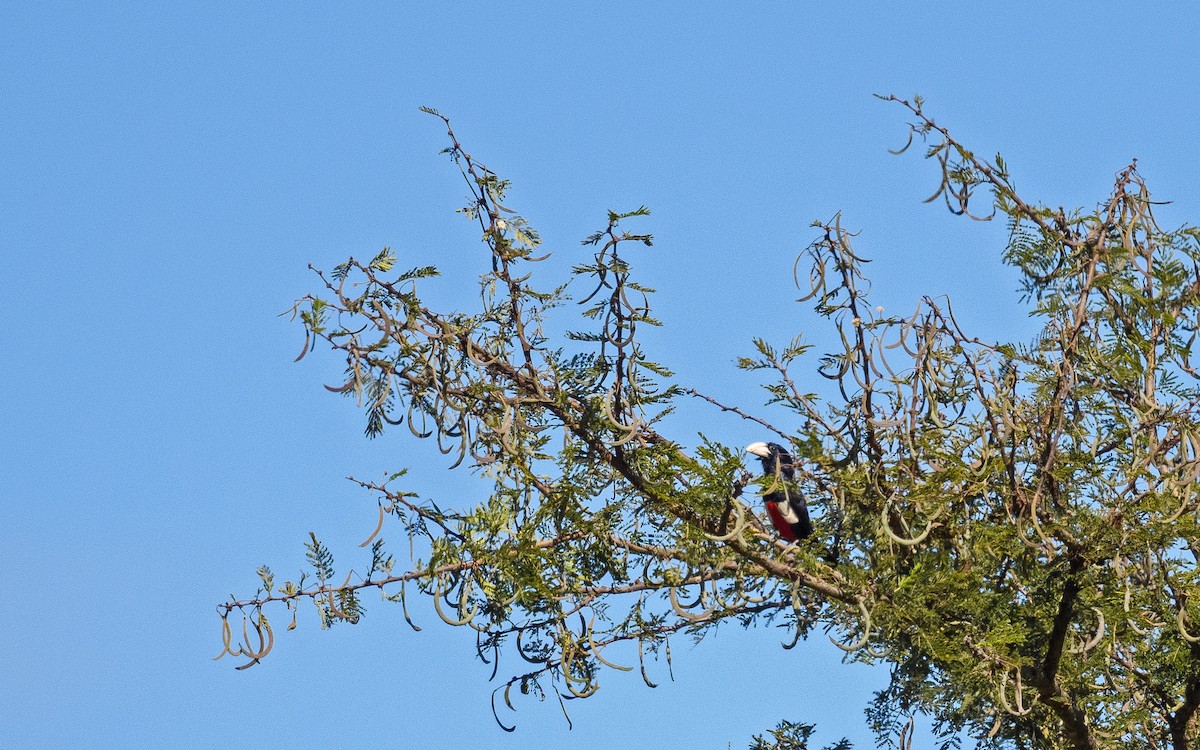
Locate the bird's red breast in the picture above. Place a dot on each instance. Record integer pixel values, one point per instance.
(781, 525)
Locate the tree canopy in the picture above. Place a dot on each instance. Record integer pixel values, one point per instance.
(1011, 527)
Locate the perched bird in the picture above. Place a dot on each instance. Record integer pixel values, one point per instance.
(785, 503)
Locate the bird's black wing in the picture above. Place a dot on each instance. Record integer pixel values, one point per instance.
(788, 495)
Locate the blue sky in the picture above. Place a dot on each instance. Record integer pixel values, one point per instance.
(168, 170)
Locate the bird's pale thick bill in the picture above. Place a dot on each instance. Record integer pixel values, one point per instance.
(759, 449)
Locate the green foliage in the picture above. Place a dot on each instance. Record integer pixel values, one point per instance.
(790, 735)
(1010, 526)
(320, 558)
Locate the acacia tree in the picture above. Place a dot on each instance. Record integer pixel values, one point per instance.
(1010, 526)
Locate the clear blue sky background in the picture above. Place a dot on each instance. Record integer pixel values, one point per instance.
(167, 170)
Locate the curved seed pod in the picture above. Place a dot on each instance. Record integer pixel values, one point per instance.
(906, 734)
(394, 422)
(739, 525)
(330, 602)
(412, 425)
(844, 363)
(437, 596)
(753, 598)
(1192, 473)
(226, 638)
(721, 601)
(1002, 694)
(883, 653)
(378, 527)
(866, 631)
(448, 399)
(634, 431)
(480, 357)
(642, 661)
(266, 625)
(935, 415)
(1185, 504)
(240, 651)
(679, 610)
(264, 648)
(589, 687)
(1194, 441)
(444, 419)
(504, 604)
(508, 703)
(816, 278)
(507, 445)
(462, 452)
(699, 597)
(775, 484)
(650, 580)
(1029, 520)
(631, 430)
(1181, 620)
(506, 421)
(979, 468)
(789, 645)
(596, 651)
(521, 649)
(358, 374)
(886, 526)
(851, 359)
(1019, 694)
(799, 620)
(629, 306)
(303, 351)
(245, 649)
(995, 727)
(1095, 639)
(880, 358)
(383, 317)
(749, 598)
(1152, 623)
(619, 342)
